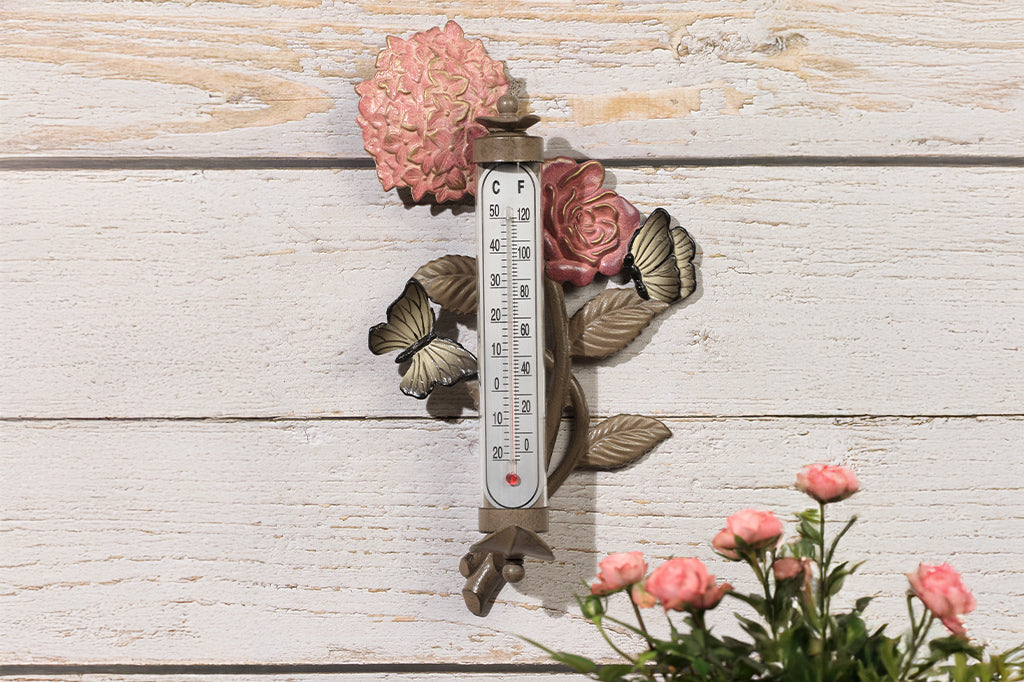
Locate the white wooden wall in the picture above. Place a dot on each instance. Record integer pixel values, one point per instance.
(203, 468)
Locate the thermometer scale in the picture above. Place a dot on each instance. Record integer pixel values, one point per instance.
(511, 346)
(510, 309)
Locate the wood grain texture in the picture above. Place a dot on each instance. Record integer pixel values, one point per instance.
(610, 79)
(337, 541)
(203, 294)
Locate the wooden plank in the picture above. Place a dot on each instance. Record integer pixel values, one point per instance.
(454, 674)
(313, 677)
(654, 79)
(203, 294)
(337, 541)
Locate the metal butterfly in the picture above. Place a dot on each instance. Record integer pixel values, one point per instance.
(660, 259)
(410, 329)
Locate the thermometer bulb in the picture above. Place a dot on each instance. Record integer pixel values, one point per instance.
(512, 478)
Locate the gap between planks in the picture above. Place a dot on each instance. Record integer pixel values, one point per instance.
(57, 163)
(278, 669)
(474, 417)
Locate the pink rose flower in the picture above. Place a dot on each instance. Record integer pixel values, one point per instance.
(418, 112)
(827, 483)
(758, 529)
(618, 571)
(685, 584)
(940, 589)
(641, 597)
(586, 229)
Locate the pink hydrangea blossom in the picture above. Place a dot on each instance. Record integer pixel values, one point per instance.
(586, 229)
(826, 482)
(941, 590)
(618, 571)
(418, 111)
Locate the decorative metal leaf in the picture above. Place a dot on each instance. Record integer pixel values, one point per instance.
(451, 282)
(609, 321)
(622, 439)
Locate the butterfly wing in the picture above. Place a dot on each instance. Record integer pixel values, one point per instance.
(441, 361)
(684, 252)
(410, 320)
(651, 260)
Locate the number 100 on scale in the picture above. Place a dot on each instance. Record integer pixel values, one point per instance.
(511, 336)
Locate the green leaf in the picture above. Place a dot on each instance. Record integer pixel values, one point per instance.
(753, 628)
(613, 673)
(577, 663)
(835, 542)
(862, 604)
(646, 657)
(943, 647)
(809, 525)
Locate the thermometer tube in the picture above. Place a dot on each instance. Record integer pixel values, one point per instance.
(511, 325)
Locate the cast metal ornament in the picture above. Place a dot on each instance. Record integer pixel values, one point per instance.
(588, 231)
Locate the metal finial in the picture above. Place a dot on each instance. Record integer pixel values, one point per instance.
(508, 105)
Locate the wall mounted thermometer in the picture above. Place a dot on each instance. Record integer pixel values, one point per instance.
(510, 367)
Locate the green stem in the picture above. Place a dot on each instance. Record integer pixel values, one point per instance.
(617, 650)
(698, 621)
(918, 633)
(823, 592)
(769, 603)
(643, 627)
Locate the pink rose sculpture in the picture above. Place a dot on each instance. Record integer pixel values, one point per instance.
(941, 590)
(418, 112)
(618, 571)
(827, 483)
(685, 584)
(758, 529)
(586, 229)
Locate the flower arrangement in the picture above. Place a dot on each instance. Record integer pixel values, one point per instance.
(798, 634)
(418, 115)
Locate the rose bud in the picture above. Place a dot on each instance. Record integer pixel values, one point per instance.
(756, 529)
(592, 607)
(827, 483)
(787, 568)
(641, 597)
(940, 589)
(685, 584)
(618, 571)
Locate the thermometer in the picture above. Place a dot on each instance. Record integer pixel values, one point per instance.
(510, 260)
(510, 367)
